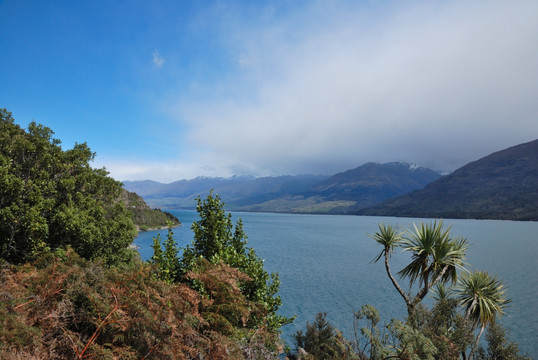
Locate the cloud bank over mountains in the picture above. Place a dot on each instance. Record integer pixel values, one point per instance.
(324, 89)
(173, 90)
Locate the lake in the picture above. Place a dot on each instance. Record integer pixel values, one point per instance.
(325, 265)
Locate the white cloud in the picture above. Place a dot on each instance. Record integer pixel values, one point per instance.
(158, 59)
(438, 84)
(167, 171)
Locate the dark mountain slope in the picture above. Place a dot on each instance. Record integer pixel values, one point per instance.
(342, 193)
(503, 185)
(235, 191)
(372, 183)
(348, 191)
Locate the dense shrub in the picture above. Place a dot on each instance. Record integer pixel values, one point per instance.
(72, 308)
(217, 240)
(51, 198)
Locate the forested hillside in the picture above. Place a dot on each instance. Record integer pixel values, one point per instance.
(144, 217)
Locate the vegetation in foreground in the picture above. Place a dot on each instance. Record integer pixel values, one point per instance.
(465, 306)
(217, 241)
(72, 288)
(51, 199)
(72, 308)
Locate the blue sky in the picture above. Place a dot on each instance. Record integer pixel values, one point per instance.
(169, 90)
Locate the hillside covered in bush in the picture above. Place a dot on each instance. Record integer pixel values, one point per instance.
(144, 217)
(73, 288)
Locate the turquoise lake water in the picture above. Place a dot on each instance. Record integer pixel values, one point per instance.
(325, 265)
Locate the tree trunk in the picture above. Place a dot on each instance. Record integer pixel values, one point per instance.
(422, 292)
(395, 283)
(476, 343)
(471, 307)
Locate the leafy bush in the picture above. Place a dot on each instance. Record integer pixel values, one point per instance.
(217, 241)
(321, 341)
(51, 198)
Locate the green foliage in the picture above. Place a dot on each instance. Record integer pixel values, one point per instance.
(412, 343)
(217, 240)
(444, 327)
(370, 343)
(143, 216)
(389, 237)
(434, 252)
(482, 297)
(435, 257)
(51, 198)
(322, 341)
(447, 331)
(441, 333)
(167, 261)
(499, 347)
(437, 334)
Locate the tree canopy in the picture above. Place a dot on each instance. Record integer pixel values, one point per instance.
(52, 198)
(217, 240)
(436, 256)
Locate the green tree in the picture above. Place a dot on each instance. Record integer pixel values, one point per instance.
(499, 347)
(435, 255)
(482, 297)
(167, 261)
(446, 326)
(217, 240)
(373, 345)
(443, 333)
(410, 343)
(322, 341)
(435, 258)
(51, 199)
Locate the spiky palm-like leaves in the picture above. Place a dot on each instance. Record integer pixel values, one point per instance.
(436, 256)
(389, 237)
(435, 259)
(442, 293)
(482, 297)
(434, 252)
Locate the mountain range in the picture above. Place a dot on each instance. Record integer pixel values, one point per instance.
(342, 193)
(503, 185)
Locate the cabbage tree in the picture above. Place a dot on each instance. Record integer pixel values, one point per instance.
(435, 257)
(482, 298)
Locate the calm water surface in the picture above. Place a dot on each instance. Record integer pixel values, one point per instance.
(325, 265)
